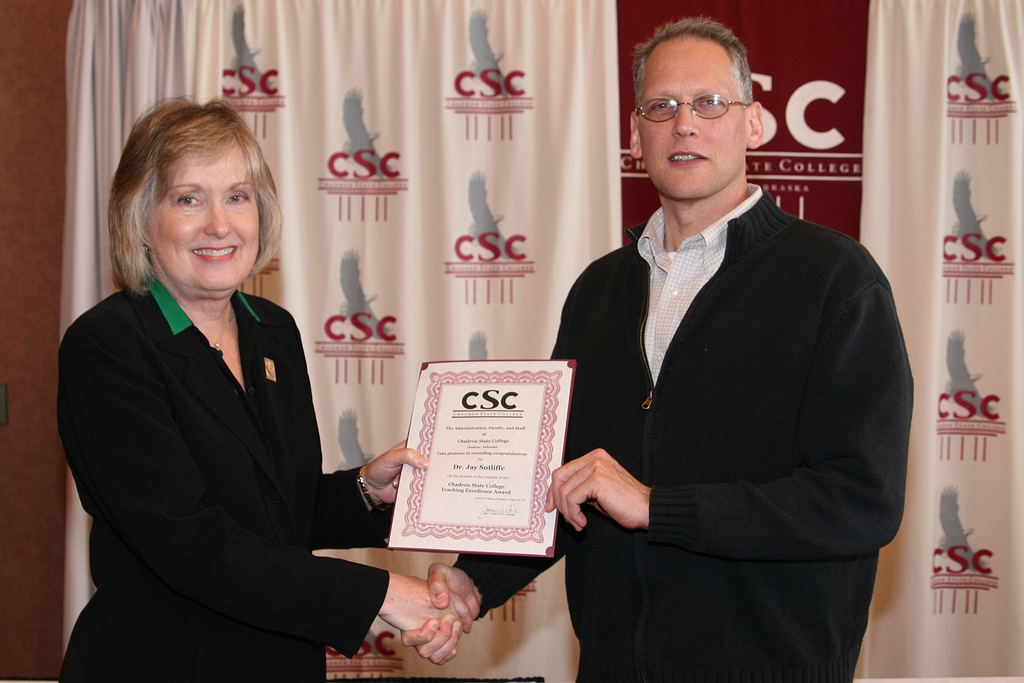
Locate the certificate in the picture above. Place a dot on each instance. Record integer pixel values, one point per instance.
(494, 431)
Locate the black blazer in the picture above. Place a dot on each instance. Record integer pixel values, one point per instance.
(206, 502)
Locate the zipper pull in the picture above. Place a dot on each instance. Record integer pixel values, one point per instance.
(647, 403)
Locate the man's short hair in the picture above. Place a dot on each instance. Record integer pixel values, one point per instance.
(696, 27)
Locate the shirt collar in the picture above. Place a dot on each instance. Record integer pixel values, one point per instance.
(175, 316)
(652, 242)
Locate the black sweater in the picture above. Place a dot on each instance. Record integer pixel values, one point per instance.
(775, 445)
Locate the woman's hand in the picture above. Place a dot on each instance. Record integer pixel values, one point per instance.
(381, 474)
(434, 633)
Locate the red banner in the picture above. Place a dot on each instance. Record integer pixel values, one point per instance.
(808, 61)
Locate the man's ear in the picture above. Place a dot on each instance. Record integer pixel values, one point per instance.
(755, 125)
(634, 136)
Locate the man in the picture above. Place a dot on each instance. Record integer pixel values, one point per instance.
(740, 422)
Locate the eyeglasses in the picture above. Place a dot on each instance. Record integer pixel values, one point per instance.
(705, 106)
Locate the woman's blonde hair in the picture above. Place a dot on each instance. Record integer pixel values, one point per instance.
(170, 134)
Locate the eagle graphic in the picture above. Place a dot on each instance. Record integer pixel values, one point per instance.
(483, 220)
(478, 346)
(348, 440)
(358, 137)
(355, 299)
(967, 221)
(953, 531)
(485, 59)
(949, 518)
(970, 57)
(243, 55)
(960, 378)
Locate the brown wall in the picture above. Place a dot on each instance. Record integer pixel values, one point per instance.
(32, 470)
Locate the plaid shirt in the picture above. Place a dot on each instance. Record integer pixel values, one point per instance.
(676, 277)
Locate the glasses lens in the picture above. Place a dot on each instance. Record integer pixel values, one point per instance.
(659, 110)
(710, 106)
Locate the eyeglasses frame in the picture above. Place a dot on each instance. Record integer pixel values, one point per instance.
(679, 105)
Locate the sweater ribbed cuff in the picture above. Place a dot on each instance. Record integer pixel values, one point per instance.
(673, 515)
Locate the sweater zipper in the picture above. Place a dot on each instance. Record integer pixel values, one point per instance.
(643, 351)
(640, 566)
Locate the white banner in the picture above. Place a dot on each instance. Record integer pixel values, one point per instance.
(122, 55)
(943, 213)
(446, 168)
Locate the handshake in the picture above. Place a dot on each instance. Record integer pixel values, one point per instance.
(434, 613)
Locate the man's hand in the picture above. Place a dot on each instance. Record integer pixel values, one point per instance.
(599, 480)
(454, 594)
(451, 588)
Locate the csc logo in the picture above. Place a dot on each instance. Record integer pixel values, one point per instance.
(490, 399)
(495, 84)
(960, 559)
(245, 76)
(363, 322)
(796, 113)
(364, 157)
(380, 646)
(490, 242)
(972, 247)
(971, 405)
(975, 88)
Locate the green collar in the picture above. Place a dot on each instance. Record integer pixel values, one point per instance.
(176, 317)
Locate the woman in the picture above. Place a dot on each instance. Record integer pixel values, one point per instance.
(187, 418)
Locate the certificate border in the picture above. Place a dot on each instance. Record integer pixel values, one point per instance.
(533, 531)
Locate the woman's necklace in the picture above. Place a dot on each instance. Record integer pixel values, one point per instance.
(216, 343)
(223, 322)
